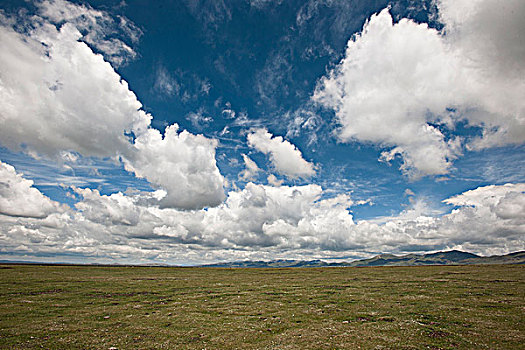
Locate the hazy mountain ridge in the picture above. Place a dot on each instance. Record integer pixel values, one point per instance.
(453, 257)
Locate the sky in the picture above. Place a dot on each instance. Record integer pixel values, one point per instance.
(192, 132)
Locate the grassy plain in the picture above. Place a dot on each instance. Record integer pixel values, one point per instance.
(427, 307)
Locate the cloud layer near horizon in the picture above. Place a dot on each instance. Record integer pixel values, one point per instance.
(257, 222)
(401, 84)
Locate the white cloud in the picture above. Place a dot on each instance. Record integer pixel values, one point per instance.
(274, 181)
(18, 197)
(179, 84)
(251, 169)
(259, 221)
(181, 163)
(116, 209)
(487, 31)
(205, 87)
(199, 119)
(261, 4)
(80, 106)
(165, 83)
(488, 37)
(78, 103)
(485, 196)
(304, 121)
(284, 156)
(397, 81)
(228, 113)
(512, 206)
(96, 25)
(409, 192)
(119, 209)
(211, 14)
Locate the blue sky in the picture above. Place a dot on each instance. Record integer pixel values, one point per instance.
(186, 131)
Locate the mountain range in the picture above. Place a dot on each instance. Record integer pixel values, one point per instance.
(452, 257)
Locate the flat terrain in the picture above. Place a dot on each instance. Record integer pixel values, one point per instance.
(428, 307)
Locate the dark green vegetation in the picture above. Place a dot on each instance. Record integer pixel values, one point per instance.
(434, 307)
(452, 257)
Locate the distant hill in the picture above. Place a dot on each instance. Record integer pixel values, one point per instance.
(275, 263)
(452, 257)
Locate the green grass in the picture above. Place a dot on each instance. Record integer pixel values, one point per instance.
(430, 307)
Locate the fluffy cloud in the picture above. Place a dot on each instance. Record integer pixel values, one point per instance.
(507, 202)
(487, 196)
(117, 208)
(256, 222)
(18, 197)
(398, 83)
(284, 156)
(79, 103)
(181, 163)
(60, 99)
(488, 38)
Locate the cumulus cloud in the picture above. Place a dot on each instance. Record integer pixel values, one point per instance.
(488, 38)
(181, 163)
(118, 209)
(512, 206)
(18, 197)
(485, 196)
(80, 106)
(78, 103)
(284, 156)
(259, 221)
(398, 83)
(505, 201)
(115, 209)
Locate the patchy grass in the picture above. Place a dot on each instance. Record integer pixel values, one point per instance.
(428, 307)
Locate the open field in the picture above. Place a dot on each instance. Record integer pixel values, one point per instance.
(434, 307)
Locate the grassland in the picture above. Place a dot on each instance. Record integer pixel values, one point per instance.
(430, 307)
